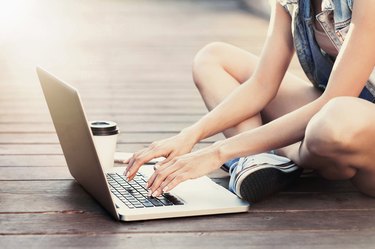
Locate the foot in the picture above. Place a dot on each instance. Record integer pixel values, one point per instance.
(258, 176)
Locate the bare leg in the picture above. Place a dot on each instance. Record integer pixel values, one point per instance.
(339, 143)
(219, 68)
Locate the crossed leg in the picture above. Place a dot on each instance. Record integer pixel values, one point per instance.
(339, 143)
(336, 141)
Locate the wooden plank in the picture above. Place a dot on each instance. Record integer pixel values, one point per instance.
(181, 79)
(124, 137)
(183, 87)
(30, 149)
(198, 240)
(319, 184)
(125, 127)
(144, 90)
(316, 201)
(29, 196)
(28, 138)
(108, 103)
(55, 149)
(82, 222)
(34, 173)
(101, 107)
(127, 111)
(121, 118)
(139, 96)
(32, 161)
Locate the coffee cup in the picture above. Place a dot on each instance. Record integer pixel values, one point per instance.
(105, 135)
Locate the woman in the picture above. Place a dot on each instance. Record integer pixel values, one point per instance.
(275, 121)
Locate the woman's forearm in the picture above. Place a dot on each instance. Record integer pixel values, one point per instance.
(244, 102)
(281, 132)
(251, 97)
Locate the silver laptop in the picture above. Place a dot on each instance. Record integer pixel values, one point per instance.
(124, 200)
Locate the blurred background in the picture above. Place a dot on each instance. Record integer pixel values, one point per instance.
(131, 60)
(86, 33)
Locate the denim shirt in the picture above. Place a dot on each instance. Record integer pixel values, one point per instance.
(335, 19)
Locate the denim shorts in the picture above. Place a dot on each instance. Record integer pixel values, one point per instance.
(365, 94)
(316, 64)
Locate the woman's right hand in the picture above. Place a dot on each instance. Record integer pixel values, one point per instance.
(169, 148)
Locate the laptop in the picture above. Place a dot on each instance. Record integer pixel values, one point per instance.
(125, 201)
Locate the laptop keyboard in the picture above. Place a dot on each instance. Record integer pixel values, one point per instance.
(134, 194)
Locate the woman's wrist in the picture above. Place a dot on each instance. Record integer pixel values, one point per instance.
(192, 133)
(220, 152)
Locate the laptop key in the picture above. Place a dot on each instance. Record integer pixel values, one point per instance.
(155, 202)
(165, 201)
(147, 204)
(173, 199)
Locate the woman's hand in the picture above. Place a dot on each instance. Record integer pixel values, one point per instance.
(193, 165)
(169, 148)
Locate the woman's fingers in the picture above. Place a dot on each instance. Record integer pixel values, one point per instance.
(182, 168)
(167, 176)
(168, 148)
(138, 160)
(164, 161)
(171, 181)
(160, 171)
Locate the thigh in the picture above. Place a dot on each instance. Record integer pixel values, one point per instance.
(239, 65)
(219, 68)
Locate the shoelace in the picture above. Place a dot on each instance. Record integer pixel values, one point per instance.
(248, 161)
(242, 161)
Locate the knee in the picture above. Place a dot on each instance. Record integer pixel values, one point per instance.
(210, 54)
(207, 57)
(332, 130)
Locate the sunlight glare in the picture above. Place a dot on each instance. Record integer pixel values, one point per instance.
(13, 15)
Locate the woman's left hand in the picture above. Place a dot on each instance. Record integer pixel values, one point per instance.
(189, 166)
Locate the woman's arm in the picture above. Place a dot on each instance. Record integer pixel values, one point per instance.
(244, 102)
(253, 95)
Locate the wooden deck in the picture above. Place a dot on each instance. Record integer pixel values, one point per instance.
(131, 60)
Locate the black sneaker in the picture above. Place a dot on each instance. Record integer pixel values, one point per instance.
(258, 176)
